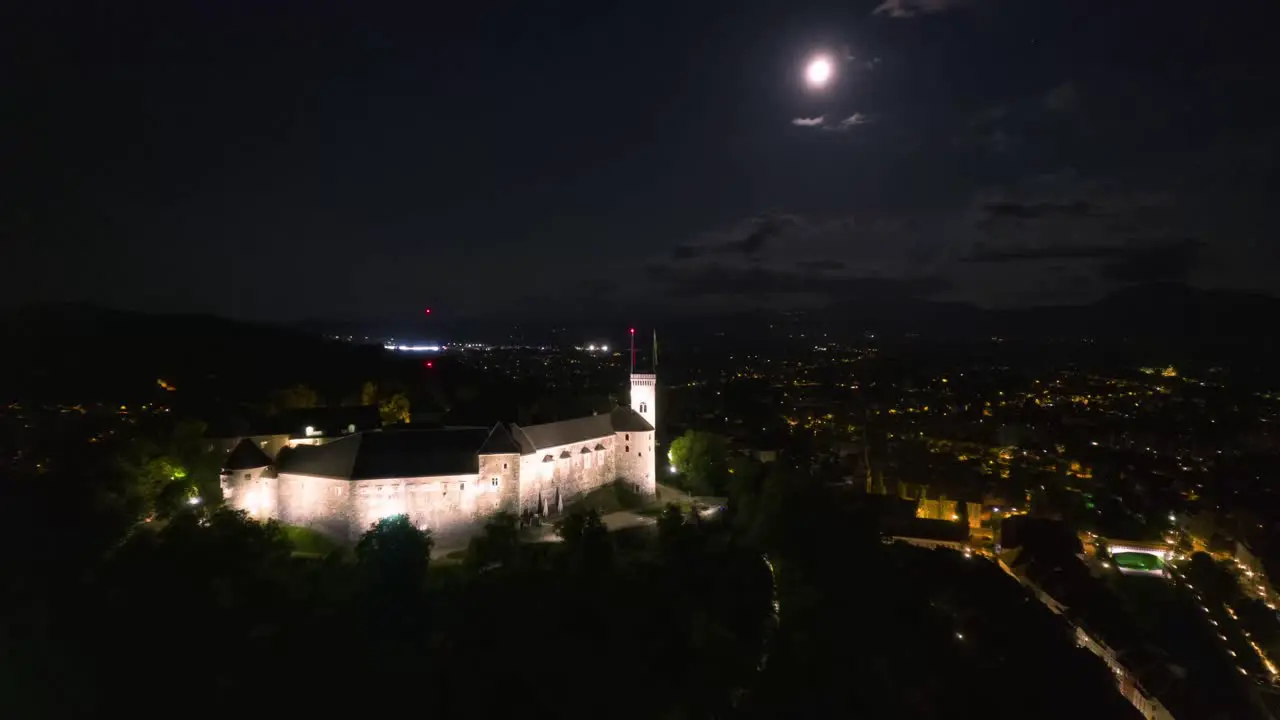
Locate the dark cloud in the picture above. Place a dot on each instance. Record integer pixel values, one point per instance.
(721, 280)
(1169, 260)
(821, 265)
(1139, 262)
(911, 8)
(983, 253)
(759, 232)
(1062, 98)
(687, 252)
(1035, 210)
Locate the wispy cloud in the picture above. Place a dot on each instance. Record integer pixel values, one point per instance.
(912, 8)
(821, 123)
(853, 120)
(1063, 98)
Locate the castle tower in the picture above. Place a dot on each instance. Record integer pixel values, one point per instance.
(644, 396)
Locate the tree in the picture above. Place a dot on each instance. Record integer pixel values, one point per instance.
(369, 393)
(670, 529)
(702, 459)
(296, 397)
(499, 545)
(394, 409)
(394, 554)
(587, 544)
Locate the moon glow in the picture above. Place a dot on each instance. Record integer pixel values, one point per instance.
(818, 72)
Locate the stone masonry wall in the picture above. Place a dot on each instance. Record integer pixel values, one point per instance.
(571, 476)
(323, 504)
(506, 470)
(637, 464)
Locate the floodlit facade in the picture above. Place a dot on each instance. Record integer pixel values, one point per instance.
(447, 479)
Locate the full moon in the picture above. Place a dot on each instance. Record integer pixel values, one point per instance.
(818, 72)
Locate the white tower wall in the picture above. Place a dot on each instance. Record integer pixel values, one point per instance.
(644, 396)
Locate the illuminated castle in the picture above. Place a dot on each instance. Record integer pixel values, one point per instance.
(445, 479)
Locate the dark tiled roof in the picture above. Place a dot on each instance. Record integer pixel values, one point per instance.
(625, 419)
(567, 432)
(389, 454)
(246, 455)
(499, 442)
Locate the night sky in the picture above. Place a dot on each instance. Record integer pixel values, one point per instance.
(276, 161)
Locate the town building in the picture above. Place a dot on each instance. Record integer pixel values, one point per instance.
(445, 479)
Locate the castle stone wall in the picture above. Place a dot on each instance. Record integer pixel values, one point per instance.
(636, 463)
(505, 469)
(572, 476)
(323, 504)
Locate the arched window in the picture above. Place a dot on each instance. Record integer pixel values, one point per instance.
(644, 407)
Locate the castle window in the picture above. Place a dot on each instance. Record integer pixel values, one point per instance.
(504, 466)
(462, 487)
(644, 407)
(495, 482)
(246, 476)
(626, 448)
(627, 436)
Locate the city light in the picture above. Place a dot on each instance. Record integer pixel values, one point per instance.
(195, 500)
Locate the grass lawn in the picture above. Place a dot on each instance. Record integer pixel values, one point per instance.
(607, 499)
(308, 542)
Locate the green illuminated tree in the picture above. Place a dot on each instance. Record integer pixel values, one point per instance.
(702, 459)
(394, 554)
(394, 409)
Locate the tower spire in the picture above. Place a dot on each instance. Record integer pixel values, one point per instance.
(655, 351)
(633, 351)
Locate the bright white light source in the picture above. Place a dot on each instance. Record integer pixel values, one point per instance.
(672, 468)
(818, 73)
(193, 500)
(592, 348)
(604, 348)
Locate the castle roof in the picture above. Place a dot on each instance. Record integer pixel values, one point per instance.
(568, 432)
(246, 455)
(499, 442)
(389, 454)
